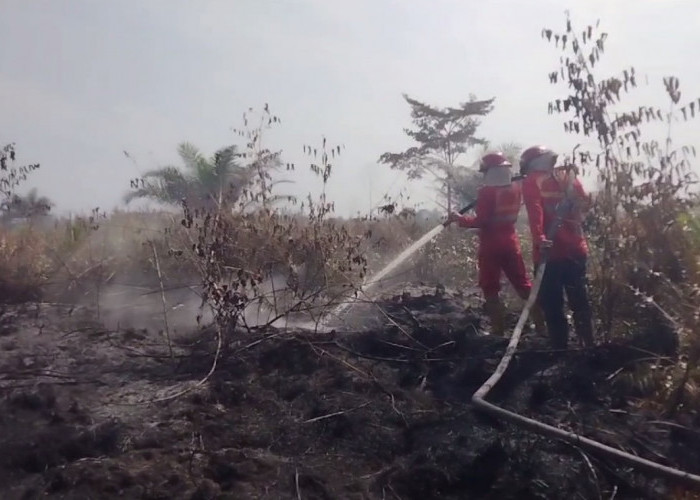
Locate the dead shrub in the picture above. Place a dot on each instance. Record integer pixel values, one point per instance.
(253, 254)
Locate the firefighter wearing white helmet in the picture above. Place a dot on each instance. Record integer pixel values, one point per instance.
(497, 208)
(545, 185)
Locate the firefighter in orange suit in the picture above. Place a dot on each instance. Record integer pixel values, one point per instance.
(497, 208)
(545, 185)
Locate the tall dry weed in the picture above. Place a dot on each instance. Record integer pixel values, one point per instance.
(24, 265)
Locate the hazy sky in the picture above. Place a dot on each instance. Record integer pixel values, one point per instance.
(81, 81)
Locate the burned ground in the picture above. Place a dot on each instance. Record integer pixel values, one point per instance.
(379, 413)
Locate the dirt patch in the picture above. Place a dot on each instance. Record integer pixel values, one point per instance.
(380, 413)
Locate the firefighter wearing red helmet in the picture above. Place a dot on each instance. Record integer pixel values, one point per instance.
(545, 185)
(497, 208)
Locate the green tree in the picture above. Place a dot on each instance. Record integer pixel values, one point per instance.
(11, 176)
(442, 136)
(29, 205)
(466, 186)
(204, 182)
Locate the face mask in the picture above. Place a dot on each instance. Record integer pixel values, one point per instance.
(542, 163)
(497, 176)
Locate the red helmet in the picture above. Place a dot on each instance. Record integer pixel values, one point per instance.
(491, 160)
(534, 152)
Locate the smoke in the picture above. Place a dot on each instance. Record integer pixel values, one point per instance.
(278, 301)
(138, 307)
(261, 312)
(122, 244)
(122, 306)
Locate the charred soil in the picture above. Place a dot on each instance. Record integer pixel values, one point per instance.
(379, 413)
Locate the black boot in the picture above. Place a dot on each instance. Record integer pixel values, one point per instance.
(583, 325)
(577, 292)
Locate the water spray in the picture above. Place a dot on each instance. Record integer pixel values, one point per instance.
(370, 283)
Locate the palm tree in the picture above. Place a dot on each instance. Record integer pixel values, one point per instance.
(204, 182)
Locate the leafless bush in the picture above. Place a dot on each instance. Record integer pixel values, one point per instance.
(253, 253)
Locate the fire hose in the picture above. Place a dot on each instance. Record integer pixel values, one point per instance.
(479, 401)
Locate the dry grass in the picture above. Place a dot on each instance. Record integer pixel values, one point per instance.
(72, 257)
(80, 254)
(24, 264)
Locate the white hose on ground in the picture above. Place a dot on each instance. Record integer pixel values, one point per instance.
(478, 399)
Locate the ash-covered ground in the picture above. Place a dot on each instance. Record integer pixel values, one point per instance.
(379, 412)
